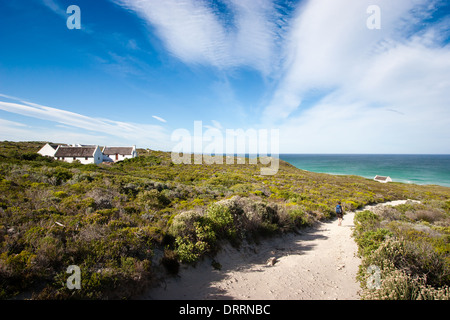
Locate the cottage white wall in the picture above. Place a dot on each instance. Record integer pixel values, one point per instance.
(123, 157)
(120, 157)
(112, 157)
(96, 159)
(82, 160)
(98, 156)
(47, 150)
(388, 179)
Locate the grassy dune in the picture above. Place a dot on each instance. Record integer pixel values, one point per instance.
(119, 223)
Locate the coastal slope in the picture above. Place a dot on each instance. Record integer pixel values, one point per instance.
(319, 263)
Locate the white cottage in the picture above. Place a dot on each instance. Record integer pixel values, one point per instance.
(86, 154)
(114, 154)
(382, 179)
(48, 150)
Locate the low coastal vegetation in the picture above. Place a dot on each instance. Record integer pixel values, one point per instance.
(124, 224)
(405, 251)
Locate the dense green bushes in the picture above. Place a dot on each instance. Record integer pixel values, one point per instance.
(235, 220)
(120, 222)
(408, 272)
(411, 255)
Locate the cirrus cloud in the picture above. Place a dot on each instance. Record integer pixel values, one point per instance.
(362, 75)
(71, 124)
(197, 32)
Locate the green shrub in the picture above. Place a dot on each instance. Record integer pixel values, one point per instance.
(405, 207)
(398, 285)
(430, 216)
(195, 235)
(350, 205)
(221, 220)
(50, 253)
(299, 217)
(17, 264)
(30, 156)
(410, 269)
(408, 272)
(60, 194)
(365, 221)
(187, 251)
(153, 199)
(183, 224)
(371, 240)
(17, 272)
(62, 175)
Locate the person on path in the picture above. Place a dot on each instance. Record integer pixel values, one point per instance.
(339, 213)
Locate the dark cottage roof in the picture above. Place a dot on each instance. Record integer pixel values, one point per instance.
(75, 152)
(380, 178)
(118, 150)
(53, 145)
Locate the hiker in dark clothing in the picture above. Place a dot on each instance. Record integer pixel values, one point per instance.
(339, 213)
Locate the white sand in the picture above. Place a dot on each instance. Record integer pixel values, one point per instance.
(320, 263)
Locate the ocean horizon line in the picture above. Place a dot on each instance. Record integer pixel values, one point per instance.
(320, 154)
(420, 169)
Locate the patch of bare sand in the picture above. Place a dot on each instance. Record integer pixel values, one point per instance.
(319, 263)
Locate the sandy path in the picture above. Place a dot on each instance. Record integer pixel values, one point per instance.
(320, 263)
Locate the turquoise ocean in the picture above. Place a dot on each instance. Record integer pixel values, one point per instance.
(417, 169)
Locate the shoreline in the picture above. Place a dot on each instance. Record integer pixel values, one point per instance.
(386, 165)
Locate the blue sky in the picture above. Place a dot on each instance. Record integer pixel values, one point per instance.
(138, 70)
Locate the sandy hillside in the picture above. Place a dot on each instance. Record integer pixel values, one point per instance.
(319, 263)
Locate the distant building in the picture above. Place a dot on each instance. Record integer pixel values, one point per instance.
(114, 154)
(382, 179)
(86, 155)
(48, 150)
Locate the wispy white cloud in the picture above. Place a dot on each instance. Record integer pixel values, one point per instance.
(160, 119)
(88, 128)
(363, 74)
(189, 29)
(259, 28)
(55, 7)
(196, 33)
(328, 45)
(10, 131)
(386, 87)
(8, 123)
